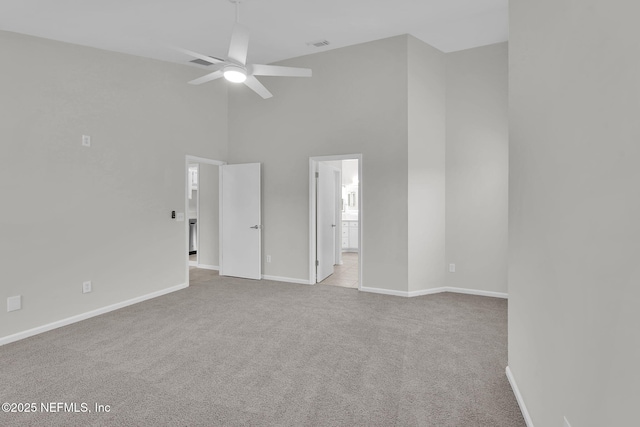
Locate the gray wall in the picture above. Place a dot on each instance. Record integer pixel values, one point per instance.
(426, 165)
(574, 205)
(399, 121)
(99, 213)
(356, 102)
(477, 168)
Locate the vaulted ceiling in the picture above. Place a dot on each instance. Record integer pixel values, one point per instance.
(280, 29)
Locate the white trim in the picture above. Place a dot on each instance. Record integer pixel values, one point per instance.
(516, 392)
(193, 263)
(208, 267)
(198, 217)
(385, 291)
(77, 318)
(435, 291)
(491, 294)
(286, 279)
(423, 292)
(312, 220)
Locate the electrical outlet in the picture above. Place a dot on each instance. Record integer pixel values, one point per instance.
(86, 287)
(268, 258)
(452, 268)
(14, 303)
(86, 141)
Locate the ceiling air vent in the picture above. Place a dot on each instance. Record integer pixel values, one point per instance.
(318, 43)
(203, 62)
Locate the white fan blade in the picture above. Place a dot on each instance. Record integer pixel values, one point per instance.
(239, 44)
(200, 56)
(257, 87)
(275, 70)
(207, 78)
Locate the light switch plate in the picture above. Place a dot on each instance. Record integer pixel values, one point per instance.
(14, 303)
(180, 216)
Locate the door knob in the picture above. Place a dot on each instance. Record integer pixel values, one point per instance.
(333, 225)
(256, 226)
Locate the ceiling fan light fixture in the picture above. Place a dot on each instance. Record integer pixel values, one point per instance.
(235, 74)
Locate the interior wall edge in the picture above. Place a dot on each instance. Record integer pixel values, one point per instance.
(287, 280)
(519, 398)
(432, 291)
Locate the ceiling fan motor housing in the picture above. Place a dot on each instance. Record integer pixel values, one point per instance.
(235, 74)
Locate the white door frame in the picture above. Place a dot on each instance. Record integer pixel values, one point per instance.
(189, 160)
(313, 163)
(197, 213)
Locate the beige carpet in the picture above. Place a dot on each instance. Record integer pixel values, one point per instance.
(237, 352)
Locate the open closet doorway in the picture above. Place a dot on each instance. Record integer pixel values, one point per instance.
(192, 197)
(202, 219)
(335, 218)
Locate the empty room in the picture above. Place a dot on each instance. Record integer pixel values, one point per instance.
(279, 212)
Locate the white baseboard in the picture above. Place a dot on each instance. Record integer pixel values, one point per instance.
(516, 392)
(208, 267)
(77, 318)
(286, 279)
(492, 294)
(435, 291)
(193, 263)
(427, 292)
(385, 292)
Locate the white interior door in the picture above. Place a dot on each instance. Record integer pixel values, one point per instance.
(326, 222)
(240, 223)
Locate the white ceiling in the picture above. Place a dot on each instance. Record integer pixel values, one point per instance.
(279, 29)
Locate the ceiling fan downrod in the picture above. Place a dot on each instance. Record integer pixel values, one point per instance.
(237, 3)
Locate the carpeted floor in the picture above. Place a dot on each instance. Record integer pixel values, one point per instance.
(236, 352)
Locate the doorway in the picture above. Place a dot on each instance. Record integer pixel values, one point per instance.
(225, 202)
(202, 215)
(192, 213)
(335, 220)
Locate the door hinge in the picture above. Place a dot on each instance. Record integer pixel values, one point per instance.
(317, 263)
(317, 174)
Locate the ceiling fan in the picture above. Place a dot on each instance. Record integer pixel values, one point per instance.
(235, 68)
